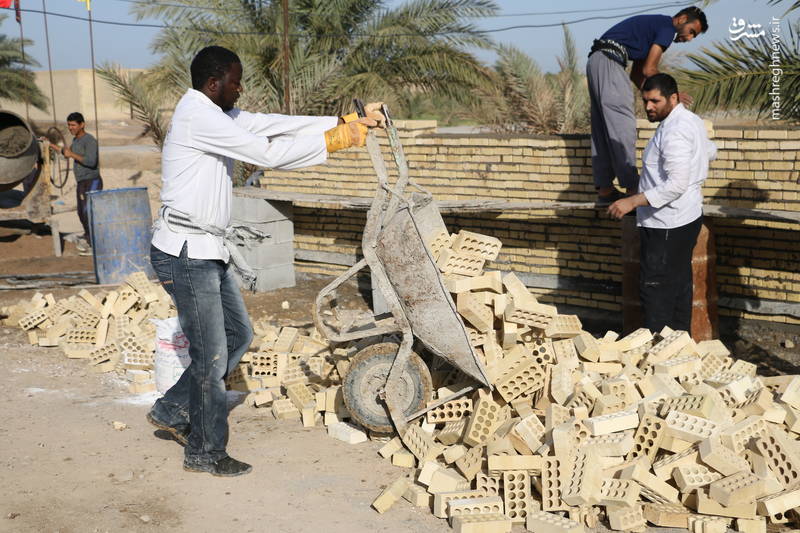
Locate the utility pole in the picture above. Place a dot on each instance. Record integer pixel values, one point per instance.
(94, 82)
(287, 84)
(49, 63)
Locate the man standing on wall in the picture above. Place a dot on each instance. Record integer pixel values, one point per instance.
(192, 244)
(643, 39)
(85, 152)
(669, 210)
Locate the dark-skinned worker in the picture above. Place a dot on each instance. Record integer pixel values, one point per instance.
(84, 151)
(669, 206)
(193, 251)
(642, 39)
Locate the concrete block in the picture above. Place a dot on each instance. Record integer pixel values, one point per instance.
(390, 495)
(247, 210)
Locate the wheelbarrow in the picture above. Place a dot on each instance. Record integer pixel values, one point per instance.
(388, 384)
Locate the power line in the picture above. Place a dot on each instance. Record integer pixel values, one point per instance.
(498, 15)
(301, 35)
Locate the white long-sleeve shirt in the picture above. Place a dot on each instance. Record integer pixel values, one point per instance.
(674, 167)
(197, 161)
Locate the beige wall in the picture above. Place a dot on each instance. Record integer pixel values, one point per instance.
(73, 92)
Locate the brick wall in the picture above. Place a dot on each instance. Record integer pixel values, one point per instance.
(573, 256)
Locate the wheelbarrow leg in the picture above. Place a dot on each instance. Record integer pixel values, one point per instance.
(393, 382)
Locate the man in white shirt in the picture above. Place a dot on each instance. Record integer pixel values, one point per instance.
(669, 208)
(192, 242)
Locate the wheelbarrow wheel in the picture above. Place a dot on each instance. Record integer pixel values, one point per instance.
(366, 378)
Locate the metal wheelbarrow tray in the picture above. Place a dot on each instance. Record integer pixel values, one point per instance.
(386, 376)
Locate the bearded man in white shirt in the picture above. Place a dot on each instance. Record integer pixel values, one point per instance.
(669, 208)
(193, 246)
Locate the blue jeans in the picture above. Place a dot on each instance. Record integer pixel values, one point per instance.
(213, 317)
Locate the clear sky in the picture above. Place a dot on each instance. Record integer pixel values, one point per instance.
(129, 46)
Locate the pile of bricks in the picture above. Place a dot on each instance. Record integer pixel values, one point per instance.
(644, 429)
(111, 330)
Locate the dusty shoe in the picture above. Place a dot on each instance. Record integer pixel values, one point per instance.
(180, 433)
(608, 199)
(225, 467)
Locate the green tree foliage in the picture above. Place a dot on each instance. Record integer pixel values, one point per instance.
(339, 49)
(523, 99)
(17, 82)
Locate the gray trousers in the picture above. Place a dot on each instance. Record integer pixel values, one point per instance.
(613, 123)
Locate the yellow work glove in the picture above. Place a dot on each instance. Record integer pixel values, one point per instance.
(350, 134)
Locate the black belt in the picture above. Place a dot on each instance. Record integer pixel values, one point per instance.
(612, 50)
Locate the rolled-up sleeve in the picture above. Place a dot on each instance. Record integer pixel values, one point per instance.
(676, 154)
(220, 134)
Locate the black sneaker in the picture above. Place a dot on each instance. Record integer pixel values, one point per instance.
(180, 433)
(608, 199)
(225, 467)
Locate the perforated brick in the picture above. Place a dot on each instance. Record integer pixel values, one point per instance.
(529, 314)
(619, 492)
(530, 431)
(737, 436)
(523, 378)
(625, 518)
(666, 514)
(647, 438)
(475, 506)
(779, 503)
(300, 396)
(442, 499)
(478, 314)
(421, 444)
(611, 423)
(476, 244)
(737, 488)
(284, 409)
(586, 477)
(720, 457)
(544, 522)
(486, 418)
(668, 347)
(779, 459)
(33, 319)
(691, 477)
(689, 427)
(390, 495)
(587, 346)
(482, 523)
(611, 445)
(564, 327)
(450, 411)
(517, 495)
(461, 263)
(653, 489)
(440, 241)
(452, 432)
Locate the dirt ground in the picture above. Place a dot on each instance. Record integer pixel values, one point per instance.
(65, 469)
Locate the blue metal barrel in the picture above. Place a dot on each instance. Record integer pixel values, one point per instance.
(121, 227)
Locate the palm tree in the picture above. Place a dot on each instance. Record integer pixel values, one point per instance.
(523, 99)
(338, 49)
(17, 82)
(738, 75)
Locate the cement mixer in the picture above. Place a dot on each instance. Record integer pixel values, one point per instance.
(20, 170)
(19, 150)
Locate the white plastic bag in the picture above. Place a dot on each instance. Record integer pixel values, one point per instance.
(172, 353)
